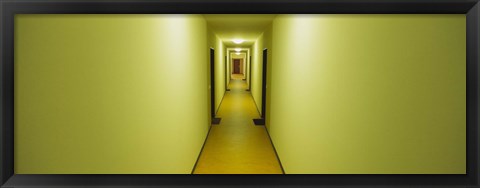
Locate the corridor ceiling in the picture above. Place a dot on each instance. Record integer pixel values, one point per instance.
(239, 26)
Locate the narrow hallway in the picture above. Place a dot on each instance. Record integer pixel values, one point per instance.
(236, 145)
(392, 97)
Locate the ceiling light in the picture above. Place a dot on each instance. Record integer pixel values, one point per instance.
(237, 53)
(238, 49)
(237, 41)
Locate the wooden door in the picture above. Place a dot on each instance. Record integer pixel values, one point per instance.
(236, 66)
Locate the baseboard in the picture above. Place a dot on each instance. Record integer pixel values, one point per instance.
(275, 150)
(203, 146)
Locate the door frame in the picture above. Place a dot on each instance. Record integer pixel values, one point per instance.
(212, 82)
(239, 65)
(261, 120)
(264, 83)
(214, 120)
(226, 74)
(249, 73)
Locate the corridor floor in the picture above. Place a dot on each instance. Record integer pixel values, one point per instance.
(236, 145)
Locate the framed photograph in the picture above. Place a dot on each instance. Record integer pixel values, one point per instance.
(292, 93)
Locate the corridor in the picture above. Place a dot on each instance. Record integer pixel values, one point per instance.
(142, 94)
(236, 145)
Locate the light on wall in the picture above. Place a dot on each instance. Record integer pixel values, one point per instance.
(237, 41)
(238, 49)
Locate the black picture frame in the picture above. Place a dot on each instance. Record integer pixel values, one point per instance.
(9, 8)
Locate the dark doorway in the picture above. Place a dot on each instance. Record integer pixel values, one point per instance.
(226, 74)
(250, 74)
(236, 66)
(261, 121)
(212, 86)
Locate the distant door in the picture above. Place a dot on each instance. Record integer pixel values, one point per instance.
(236, 66)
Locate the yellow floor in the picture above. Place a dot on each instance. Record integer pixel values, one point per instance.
(238, 76)
(236, 145)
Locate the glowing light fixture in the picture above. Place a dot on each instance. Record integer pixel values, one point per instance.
(238, 53)
(238, 49)
(237, 41)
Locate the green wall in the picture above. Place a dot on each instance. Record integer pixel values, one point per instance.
(215, 42)
(228, 68)
(267, 43)
(247, 67)
(373, 94)
(256, 71)
(264, 41)
(119, 94)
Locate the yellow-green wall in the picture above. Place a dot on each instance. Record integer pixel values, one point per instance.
(368, 93)
(117, 94)
(263, 42)
(228, 68)
(219, 72)
(267, 43)
(215, 42)
(256, 71)
(247, 68)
